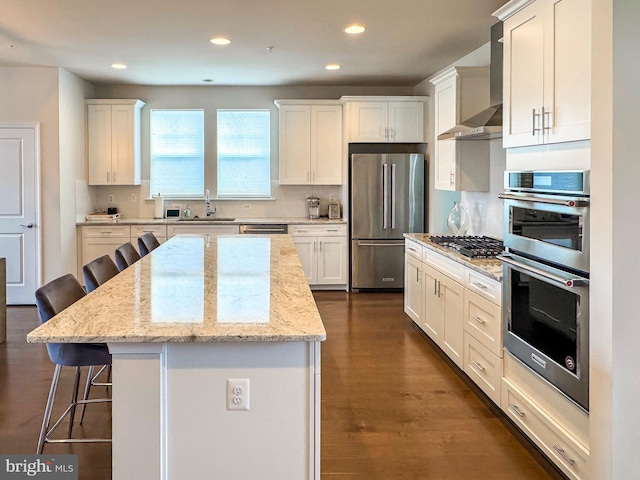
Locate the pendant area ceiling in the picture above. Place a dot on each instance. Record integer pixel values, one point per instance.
(167, 42)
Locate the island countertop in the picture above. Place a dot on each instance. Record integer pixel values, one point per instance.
(198, 288)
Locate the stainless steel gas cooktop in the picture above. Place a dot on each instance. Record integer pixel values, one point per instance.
(471, 246)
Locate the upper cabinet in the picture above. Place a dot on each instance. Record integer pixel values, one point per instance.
(113, 141)
(385, 119)
(310, 142)
(460, 93)
(547, 71)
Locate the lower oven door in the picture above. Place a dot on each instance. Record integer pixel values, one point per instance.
(546, 323)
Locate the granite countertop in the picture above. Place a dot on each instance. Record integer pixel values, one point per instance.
(488, 266)
(213, 221)
(198, 288)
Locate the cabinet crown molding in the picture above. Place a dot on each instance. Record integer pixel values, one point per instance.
(287, 101)
(460, 71)
(511, 8)
(114, 101)
(371, 98)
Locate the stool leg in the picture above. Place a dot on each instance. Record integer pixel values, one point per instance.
(48, 409)
(87, 388)
(74, 400)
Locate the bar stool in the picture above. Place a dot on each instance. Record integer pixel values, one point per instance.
(126, 255)
(98, 271)
(52, 299)
(147, 243)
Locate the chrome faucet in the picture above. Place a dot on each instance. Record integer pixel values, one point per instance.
(207, 201)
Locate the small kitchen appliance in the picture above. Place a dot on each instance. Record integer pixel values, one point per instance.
(314, 207)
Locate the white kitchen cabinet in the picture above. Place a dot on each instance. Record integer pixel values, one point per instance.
(413, 295)
(159, 231)
(100, 240)
(554, 423)
(443, 313)
(113, 141)
(385, 119)
(547, 71)
(189, 228)
(460, 93)
(323, 253)
(310, 143)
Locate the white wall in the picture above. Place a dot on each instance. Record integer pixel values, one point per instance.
(482, 207)
(72, 126)
(30, 94)
(615, 303)
(289, 200)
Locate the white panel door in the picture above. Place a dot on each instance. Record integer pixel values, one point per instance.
(332, 260)
(326, 144)
(406, 122)
(19, 226)
(295, 144)
(307, 252)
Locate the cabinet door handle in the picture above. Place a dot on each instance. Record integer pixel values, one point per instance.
(479, 285)
(562, 453)
(314, 245)
(479, 320)
(113, 176)
(320, 245)
(417, 274)
(480, 367)
(545, 116)
(435, 286)
(517, 410)
(533, 122)
(439, 284)
(108, 176)
(450, 178)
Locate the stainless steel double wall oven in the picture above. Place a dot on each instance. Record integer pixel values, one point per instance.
(546, 276)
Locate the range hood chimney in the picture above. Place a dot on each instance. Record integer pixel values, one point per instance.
(487, 124)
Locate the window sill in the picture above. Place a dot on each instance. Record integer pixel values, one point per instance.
(201, 199)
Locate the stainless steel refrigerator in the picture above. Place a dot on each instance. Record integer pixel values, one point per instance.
(386, 201)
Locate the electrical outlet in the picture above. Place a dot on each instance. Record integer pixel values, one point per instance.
(246, 206)
(332, 197)
(133, 198)
(238, 394)
(111, 199)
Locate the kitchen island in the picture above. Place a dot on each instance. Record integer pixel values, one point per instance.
(180, 323)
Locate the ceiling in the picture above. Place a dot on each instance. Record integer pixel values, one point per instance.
(166, 42)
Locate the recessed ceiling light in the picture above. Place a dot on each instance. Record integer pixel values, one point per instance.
(119, 66)
(332, 66)
(220, 41)
(354, 29)
(208, 80)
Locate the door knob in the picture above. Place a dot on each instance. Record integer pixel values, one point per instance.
(28, 225)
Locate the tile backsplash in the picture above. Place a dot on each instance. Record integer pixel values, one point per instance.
(133, 202)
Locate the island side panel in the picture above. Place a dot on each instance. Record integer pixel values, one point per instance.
(277, 438)
(138, 405)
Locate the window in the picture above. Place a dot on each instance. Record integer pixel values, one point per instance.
(244, 154)
(177, 152)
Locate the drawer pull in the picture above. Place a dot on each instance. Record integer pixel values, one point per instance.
(560, 451)
(517, 410)
(479, 285)
(480, 367)
(332, 230)
(479, 320)
(301, 231)
(412, 249)
(107, 232)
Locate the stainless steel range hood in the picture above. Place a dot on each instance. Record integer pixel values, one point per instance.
(487, 124)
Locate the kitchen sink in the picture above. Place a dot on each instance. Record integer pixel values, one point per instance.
(213, 219)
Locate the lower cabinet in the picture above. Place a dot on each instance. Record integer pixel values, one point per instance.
(323, 253)
(202, 229)
(97, 241)
(556, 425)
(160, 232)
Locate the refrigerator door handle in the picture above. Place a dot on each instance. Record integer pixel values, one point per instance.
(393, 196)
(385, 196)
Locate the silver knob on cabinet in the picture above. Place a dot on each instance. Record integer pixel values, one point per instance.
(28, 225)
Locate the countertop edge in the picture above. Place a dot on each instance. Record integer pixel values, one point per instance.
(187, 339)
(237, 221)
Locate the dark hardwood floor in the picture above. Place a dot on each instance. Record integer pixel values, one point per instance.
(392, 406)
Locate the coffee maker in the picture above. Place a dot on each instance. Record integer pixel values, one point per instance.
(314, 207)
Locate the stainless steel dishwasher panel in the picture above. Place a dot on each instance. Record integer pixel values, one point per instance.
(264, 229)
(377, 264)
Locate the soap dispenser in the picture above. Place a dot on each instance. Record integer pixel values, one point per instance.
(187, 212)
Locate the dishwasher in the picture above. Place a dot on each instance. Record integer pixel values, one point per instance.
(264, 229)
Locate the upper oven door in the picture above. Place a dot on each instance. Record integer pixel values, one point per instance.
(551, 227)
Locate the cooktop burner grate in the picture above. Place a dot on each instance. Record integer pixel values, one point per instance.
(471, 246)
